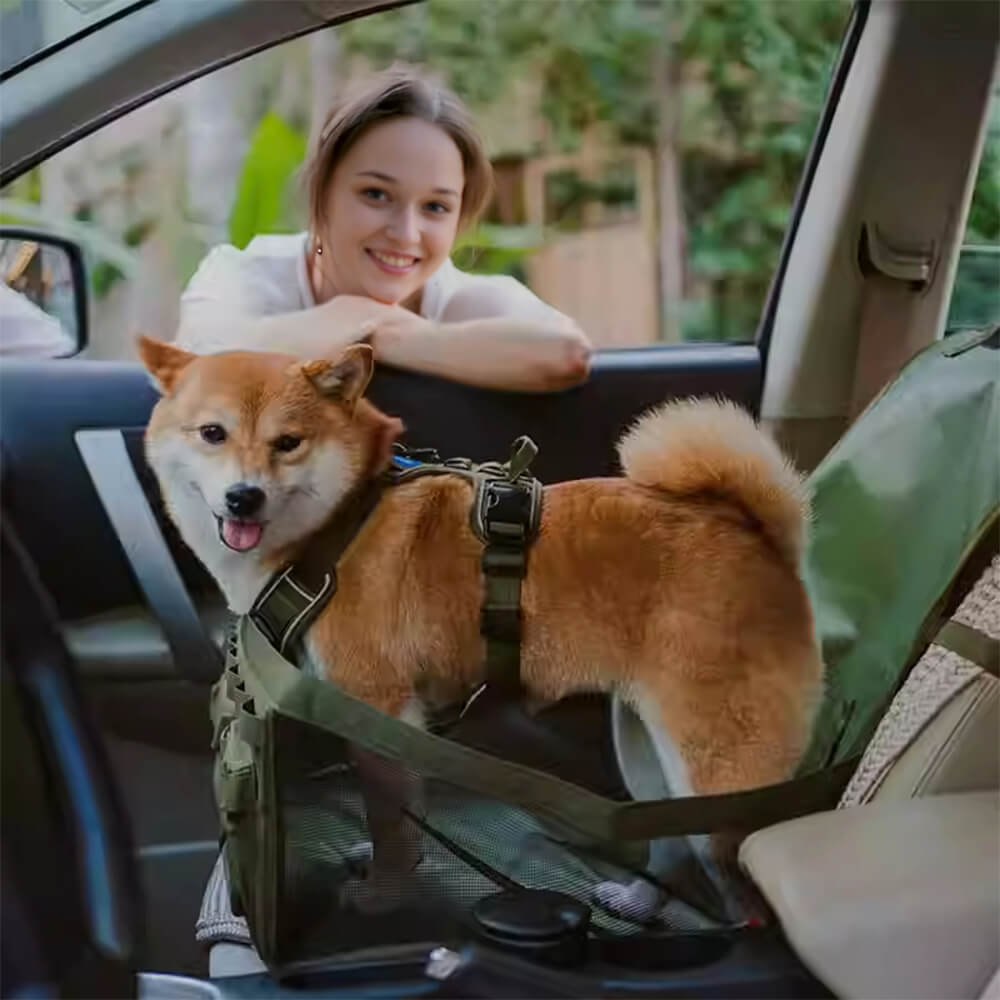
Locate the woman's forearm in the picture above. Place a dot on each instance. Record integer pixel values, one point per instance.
(495, 353)
(526, 355)
(308, 333)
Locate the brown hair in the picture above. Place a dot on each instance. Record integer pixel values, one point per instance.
(398, 92)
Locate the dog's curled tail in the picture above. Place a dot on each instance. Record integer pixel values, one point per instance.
(713, 447)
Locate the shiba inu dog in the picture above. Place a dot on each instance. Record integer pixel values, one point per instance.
(675, 586)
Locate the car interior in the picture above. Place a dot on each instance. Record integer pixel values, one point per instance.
(110, 830)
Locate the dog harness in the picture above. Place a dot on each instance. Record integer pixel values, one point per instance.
(505, 514)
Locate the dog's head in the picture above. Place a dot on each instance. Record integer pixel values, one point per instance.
(254, 452)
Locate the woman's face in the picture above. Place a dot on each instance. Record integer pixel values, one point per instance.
(392, 208)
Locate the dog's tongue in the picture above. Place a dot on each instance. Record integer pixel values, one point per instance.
(241, 535)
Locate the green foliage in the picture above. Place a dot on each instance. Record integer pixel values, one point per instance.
(103, 277)
(492, 249)
(975, 299)
(27, 187)
(984, 213)
(263, 199)
(750, 77)
(138, 232)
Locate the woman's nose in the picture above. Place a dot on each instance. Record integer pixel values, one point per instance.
(404, 227)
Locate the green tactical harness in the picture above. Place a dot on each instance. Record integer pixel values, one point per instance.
(505, 515)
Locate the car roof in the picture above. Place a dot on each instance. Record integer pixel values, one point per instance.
(68, 89)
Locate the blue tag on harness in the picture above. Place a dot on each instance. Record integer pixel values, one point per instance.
(405, 463)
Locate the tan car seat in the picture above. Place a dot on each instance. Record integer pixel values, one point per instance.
(897, 893)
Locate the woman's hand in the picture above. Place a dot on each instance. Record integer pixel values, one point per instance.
(355, 317)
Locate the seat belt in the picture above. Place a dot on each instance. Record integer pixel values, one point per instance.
(107, 461)
(971, 644)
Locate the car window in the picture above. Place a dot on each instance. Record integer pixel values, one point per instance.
(646, 157)
(975, 298)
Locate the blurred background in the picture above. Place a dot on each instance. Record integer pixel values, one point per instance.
(647, 154)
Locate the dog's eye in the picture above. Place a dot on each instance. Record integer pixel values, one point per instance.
(212, 433)
(287, 442)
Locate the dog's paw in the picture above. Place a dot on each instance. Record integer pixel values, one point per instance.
(358, 858)
(373, 888)
(370, 895)
(639, 901)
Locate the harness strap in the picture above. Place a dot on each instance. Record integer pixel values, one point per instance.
(334, 710)
(506, 512)
(288, 605)
(505, 515)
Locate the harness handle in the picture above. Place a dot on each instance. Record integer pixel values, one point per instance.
(522, 454)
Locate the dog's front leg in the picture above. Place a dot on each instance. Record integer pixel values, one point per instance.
(389, 791)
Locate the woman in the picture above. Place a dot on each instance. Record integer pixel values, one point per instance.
(398, 172)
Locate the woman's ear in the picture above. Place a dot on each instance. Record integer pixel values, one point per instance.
(164, 362)
(345, 379)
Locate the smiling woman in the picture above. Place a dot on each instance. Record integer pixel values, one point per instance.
(397, 173)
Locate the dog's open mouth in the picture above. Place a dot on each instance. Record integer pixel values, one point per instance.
(238, 535)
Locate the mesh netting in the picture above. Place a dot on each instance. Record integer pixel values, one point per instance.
(333, 898)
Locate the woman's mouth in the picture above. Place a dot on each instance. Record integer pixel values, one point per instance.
(239, 535)
(393, 263)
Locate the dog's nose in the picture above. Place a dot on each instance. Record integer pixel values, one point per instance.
(243, 500)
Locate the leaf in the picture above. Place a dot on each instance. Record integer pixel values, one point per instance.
(261, 206)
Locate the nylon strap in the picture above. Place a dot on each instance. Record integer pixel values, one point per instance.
(971, 644)
(506, 512)
(289, 604)
(322, 704)
(106, 458)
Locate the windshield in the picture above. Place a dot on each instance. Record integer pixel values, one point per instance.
(29, 26)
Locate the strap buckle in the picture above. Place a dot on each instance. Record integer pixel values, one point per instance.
(286, 607)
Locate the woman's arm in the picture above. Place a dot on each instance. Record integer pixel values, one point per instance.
(323, 331)
(242, 300)
(494, 334)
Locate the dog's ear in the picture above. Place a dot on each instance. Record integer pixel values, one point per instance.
(164, 362)
(345, 379)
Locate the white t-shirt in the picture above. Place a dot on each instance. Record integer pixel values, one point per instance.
(269, 278)
(27, 331)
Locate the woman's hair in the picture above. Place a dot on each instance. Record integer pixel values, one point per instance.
(398, 92)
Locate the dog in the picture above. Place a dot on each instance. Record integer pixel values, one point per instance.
(676, 587)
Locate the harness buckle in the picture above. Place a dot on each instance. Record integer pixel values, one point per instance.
(284, 607)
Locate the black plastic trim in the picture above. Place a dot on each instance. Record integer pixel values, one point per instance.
(38, 658)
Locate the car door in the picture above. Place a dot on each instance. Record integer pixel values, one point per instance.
(155, 721)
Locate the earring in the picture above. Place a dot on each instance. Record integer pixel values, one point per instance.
(319, 250)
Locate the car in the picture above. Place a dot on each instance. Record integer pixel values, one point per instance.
(110, 829)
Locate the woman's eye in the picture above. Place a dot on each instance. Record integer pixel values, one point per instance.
(438, 208)
(375, 194)
(287, 442)
(212, 433)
